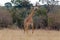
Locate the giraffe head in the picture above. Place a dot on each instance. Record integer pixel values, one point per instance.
(36, 8)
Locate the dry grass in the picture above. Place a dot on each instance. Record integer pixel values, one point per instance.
(8, 34)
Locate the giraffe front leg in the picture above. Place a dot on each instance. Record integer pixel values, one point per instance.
(27, 28)
(24, 28)
(32, 28)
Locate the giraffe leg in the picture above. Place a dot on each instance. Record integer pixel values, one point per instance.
(24, 28)
(27, 28)
(32, 28)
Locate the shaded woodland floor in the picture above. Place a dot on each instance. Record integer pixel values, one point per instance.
(9, 34)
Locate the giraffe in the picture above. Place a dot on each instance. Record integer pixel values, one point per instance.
(29, 21)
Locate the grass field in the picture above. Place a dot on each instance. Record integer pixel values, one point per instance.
(9, 34)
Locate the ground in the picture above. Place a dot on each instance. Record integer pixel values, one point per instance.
(9, 34)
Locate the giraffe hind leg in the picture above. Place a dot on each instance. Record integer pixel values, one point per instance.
(26, 28)
(32, 28)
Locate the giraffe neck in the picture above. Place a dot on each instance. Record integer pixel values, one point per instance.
(32, 13)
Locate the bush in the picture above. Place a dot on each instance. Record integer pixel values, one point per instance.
(5, 18)
(55, 26)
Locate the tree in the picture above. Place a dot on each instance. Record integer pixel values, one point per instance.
(19, 11)
(16, 2)
(8, 5)
(22, 3)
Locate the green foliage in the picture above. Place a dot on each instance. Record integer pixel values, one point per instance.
(19, 2)
(18, 14)
(41, 11)
(8, 5)
(22, 4)
(16, 1)
(50, 21)
(38, 12)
